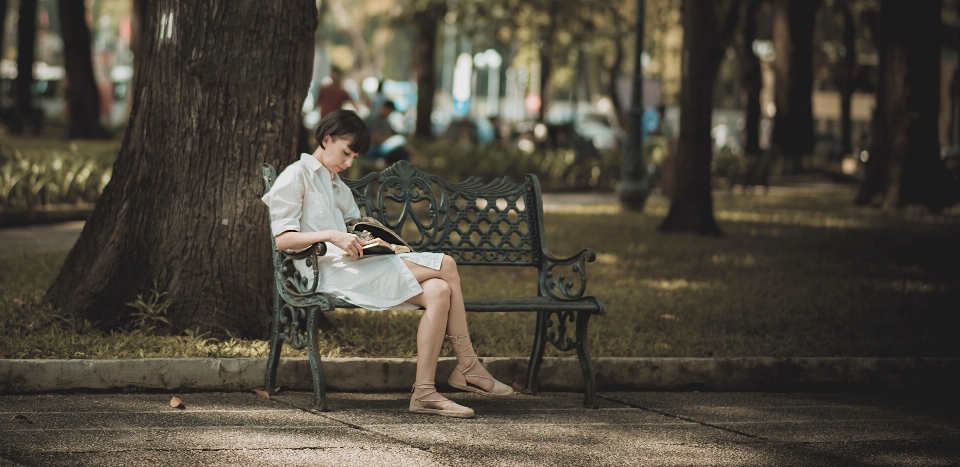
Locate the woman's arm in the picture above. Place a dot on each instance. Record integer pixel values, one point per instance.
(350, 243)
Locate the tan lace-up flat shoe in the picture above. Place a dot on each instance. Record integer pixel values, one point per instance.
(451, 409)
(458, 378)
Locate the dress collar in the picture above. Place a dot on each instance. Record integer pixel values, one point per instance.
(315, 165)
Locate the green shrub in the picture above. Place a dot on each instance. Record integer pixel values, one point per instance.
(32, 174)
(556, 168)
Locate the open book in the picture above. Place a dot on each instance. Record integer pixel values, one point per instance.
(368, 229)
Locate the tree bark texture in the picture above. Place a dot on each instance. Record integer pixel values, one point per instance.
(138, 21)
(26, 52)
(546, 59)
(613, 72)
(3, 22)
(219, 93)
(905, 164)
(751, 77)
(793, 22)
(849, 76)
(428, 20)
(707, 30)
(82, 95)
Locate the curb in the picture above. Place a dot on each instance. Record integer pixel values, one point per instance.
(558, 374)
(49, 214)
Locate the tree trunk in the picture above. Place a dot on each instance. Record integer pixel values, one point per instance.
(219, 93)
(428, 20)
(905, 164)
(751, 78)
(83, 97)
(546, 60)
(26, 48)
(3, 23)
(793, 22)
(704, 44)
(613, 91)
(138, 21)
(849, 76)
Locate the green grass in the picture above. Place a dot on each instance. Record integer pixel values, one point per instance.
(800, 273)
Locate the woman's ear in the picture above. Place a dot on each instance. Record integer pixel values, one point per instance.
(326, 140)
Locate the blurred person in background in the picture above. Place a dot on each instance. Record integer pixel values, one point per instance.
(333, 96)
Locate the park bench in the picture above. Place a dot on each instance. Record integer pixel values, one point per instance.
(499, 223)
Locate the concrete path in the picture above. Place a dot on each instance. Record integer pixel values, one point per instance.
(630, 428)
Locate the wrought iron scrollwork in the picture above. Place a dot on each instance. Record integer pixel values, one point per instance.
(293, 325)
(565, 287)
(558, 337)
(474, 222)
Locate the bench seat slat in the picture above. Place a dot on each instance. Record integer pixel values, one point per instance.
(586, 304)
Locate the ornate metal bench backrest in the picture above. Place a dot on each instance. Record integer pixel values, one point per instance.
(474, 222)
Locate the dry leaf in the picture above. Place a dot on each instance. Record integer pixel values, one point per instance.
(669, 316)
(662, 346)
(17, 301)
(21, 418)
(277, 390)
(176, 403)
(261, 393)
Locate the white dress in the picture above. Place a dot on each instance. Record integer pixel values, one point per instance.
(304, 198)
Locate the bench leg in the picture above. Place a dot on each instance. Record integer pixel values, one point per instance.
(586, 367)
(316, 368)
(536, 355)
(276, 346)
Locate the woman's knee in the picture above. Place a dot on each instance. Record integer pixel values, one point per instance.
(448, 268)
(436, 290)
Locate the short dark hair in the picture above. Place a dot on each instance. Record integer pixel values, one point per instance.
(344, 124)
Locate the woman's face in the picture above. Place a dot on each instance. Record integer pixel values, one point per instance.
(336, 154)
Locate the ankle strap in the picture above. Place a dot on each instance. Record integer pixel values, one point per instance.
(423, 384)
(457, 340)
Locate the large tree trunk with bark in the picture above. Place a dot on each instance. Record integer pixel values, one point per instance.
(138, 21)
(428, 20)
(707, 29)
(219, 93)
(3, 22)
(750, 77)
(849, 76)
(26, 53)
(83, 97)
(793, 22)
(546, 59)
(905, 165)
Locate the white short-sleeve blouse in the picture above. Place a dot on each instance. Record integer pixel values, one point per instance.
(306, 198)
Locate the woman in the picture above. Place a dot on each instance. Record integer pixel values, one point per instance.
(309, 204)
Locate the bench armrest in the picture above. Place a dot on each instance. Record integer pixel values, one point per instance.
(289, 282)
(564, 287)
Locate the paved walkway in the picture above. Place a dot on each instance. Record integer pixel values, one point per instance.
(630, 428)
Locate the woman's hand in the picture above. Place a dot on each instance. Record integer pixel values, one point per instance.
(349, 243)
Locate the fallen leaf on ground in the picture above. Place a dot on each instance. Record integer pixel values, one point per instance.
(176, 403)
(669, 316)
(261, 393)
(663, 345)
(277, 390)
(17, 301)
(21, 418)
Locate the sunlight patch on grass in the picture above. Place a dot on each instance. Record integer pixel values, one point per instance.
(747, 260)
(805, 219)
(911, 286)
(589, 209)
(677, 284)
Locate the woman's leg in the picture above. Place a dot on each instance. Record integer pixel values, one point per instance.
(435, 300)
(456, 321)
